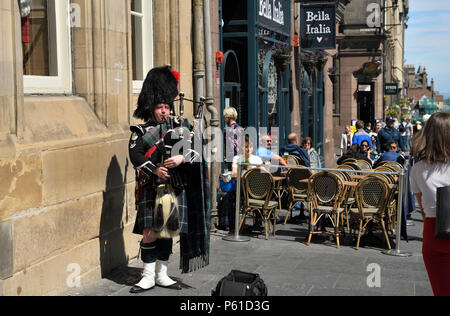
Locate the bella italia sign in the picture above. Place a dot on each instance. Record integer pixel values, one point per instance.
(273, 14)
(318, 26)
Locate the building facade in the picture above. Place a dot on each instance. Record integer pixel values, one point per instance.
(370, 54)
(255, 38)
(70, 76)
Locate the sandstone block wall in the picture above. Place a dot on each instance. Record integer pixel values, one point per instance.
(67, 204)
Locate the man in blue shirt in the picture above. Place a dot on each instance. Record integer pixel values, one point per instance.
(388, 134)
(292, 148)
(390, 154)
(265, 153)
(361, 135)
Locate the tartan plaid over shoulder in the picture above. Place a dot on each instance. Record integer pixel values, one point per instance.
(194, 206)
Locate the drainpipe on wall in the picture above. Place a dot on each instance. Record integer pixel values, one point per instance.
(212, 110)
(199, 52)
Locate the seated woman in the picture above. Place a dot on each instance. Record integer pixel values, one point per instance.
(356, 152)
(366, 151)
(248, 157)
(313, 154)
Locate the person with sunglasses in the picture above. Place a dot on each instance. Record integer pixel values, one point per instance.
(357, 152)
(367, 151)
(266, 154)
(390, 154)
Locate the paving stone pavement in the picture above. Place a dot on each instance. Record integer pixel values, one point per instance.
(291, 268)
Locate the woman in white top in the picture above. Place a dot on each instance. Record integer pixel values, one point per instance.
(431, 149)
(346, 140)
(248, 157)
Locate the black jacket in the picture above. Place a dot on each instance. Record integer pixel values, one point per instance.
(302, 153)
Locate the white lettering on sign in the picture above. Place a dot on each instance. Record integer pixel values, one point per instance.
(321, 29)
(318, 17)
(271, 10)
(265, 9)
(278, 14)
(312, 27)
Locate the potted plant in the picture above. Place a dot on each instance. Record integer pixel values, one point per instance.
(282, 54)
(321, 59)
(333, 74)
(316, 58)
(308, 61)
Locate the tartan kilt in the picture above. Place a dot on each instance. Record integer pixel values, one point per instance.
(145, 203)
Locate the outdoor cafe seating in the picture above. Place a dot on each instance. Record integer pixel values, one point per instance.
(347, 198)
(258, 188)
(297, 191)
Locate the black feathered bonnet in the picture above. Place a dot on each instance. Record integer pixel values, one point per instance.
(160, 87)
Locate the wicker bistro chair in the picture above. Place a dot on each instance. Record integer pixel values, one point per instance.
(385, 168)
(325, 191)
(349, 194)
(298, 192)
(371, 198)
(345, 167)
(347, 198)
(349, 160)
(259, 186)
(292, 160)
(364, 164)
(392, 197)
(393, 165)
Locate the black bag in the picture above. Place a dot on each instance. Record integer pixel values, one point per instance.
(401, 128)
(238, 283)
(442, 229)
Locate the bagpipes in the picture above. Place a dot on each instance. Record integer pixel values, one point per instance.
(166, 216)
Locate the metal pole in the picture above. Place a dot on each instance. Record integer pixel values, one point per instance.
(397, 252)
(211, 108)
(236, 237)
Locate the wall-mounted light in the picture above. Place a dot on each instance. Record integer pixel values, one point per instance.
(25, 8)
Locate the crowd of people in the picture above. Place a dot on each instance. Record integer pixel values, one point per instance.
(386, 142)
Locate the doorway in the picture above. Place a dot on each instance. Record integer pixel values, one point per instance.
(366, 106)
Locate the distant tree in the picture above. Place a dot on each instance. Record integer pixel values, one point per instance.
(447, 101)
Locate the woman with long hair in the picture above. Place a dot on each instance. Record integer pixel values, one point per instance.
(431, 151)
(307, 143)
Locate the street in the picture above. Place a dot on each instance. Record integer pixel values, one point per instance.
(290, 268)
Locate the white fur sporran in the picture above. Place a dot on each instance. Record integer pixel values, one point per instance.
(166, 218)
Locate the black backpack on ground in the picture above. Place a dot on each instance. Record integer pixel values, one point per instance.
(238, 283)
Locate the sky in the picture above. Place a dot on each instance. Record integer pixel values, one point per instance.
(427, 41)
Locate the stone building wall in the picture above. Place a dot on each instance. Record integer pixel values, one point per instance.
(66, 182)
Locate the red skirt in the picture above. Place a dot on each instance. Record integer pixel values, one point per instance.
(436, 255)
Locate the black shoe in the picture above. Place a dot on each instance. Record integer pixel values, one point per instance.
(175, 286)
(137, 289)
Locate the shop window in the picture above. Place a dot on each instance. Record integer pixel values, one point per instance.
(46, 48)
(142, 41)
